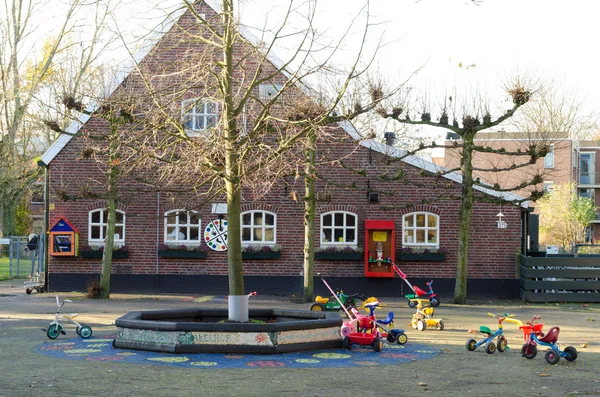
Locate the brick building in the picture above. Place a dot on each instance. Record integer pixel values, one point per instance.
(411, 212)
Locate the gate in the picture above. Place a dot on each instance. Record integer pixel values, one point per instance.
(560, 278)
(17, 260)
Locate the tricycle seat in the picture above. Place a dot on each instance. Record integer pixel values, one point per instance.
(320, 299)
(388, 319)
(551, 336)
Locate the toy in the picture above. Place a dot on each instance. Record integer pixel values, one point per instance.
(488, 341)
(418, 293)
(423, 318)
(340, 300)
(386, 326)
(36, 282)
(366, 333)
(55, 328)
(552, 356)
(347, 326)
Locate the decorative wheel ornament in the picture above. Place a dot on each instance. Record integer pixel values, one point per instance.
(215, 235)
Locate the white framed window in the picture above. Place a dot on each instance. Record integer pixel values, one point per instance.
(199, 115)
(182, 227)
(339, 228)
(259, 227)
(549, 158)
(37, 193)
(97, 223)
(421, 229)
(548, 186)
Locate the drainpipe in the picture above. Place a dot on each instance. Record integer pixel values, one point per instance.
(157, 233)
(40, 163)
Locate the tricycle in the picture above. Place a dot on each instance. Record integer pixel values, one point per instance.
(418, 293)
(552, 356)
(423, 318)
(55, 328)
(488, 341)
(367, 333)
(386, 326)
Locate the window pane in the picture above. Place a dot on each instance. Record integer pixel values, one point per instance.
(104, 216)
(420, 236)
(258, 234)
(339, 219)
(182, 217)
(246, 234)
(211, 107)
(188, 122)
(96, 232)
(432, 236)
(119, 217)
(409, 221)
(172, 218)
(119, 231)
(194, 218)
(171, 233)
(327, 235)
(269, 235)
(327, 220)
(193, 231)
(432, 221)
(96, 217)
(258, 218)
(270, 219)
(350, 236)
(339, 235)
(350, 220)
(246, 219)
(211, 122)
(420, 220)
(409, 236)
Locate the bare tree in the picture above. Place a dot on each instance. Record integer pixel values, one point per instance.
(27, 75)
(473, 122)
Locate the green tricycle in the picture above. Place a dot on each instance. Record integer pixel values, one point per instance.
(330, 304)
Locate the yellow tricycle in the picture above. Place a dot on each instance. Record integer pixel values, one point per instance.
(423, 318)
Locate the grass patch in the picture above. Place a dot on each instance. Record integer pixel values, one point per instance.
(24, 268)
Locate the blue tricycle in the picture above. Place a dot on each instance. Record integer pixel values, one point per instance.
(552, 356)
(488, 341)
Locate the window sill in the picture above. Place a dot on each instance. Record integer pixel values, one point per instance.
(181, 254)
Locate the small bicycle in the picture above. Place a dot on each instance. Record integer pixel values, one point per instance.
(55, 328)
(488, 341)
(552, 356)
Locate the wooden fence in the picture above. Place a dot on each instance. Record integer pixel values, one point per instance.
(560, 278)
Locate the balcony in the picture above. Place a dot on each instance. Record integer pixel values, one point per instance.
(589, 178)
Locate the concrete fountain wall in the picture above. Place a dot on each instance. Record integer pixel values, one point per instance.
(199, 331)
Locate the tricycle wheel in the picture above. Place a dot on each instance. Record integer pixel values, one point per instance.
(345, 330)
(85, 331)
(391, 337)
(412, 304)
(439, 325)
(571, 353)
(501, 344)
(402, 338)
(529, 351)
(552, 357)
(377, 344)
(434, 302)
(317, 307)
(490, 348)
(53, 331)
(471, 345)
(78, 330)
(421, 325)
(346, 344)
(28, 291)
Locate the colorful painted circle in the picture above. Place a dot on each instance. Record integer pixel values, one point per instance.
(360, 356)
(215, 235)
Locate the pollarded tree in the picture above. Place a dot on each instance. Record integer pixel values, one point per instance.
(472, 124)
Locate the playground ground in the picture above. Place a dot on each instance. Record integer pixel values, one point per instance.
(435, 363)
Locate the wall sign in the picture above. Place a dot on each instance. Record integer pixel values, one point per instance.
(215, 235)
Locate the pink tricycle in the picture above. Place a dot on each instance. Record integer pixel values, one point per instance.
(367, 332)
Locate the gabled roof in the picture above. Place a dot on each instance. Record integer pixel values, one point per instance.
(347, 126)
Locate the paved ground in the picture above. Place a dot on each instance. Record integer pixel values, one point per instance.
(26, 368)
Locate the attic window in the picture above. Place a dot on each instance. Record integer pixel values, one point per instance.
(199, 115)
(268, 91)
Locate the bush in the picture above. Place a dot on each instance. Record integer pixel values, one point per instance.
(94, 290)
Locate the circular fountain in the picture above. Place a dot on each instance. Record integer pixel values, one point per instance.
(207, 330)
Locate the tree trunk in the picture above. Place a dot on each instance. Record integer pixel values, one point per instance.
(460, 288)
(309, 221)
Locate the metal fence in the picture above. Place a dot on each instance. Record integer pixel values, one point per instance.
(17, 260)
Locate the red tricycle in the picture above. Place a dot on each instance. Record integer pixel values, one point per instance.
(418, 293)
(367, 332)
